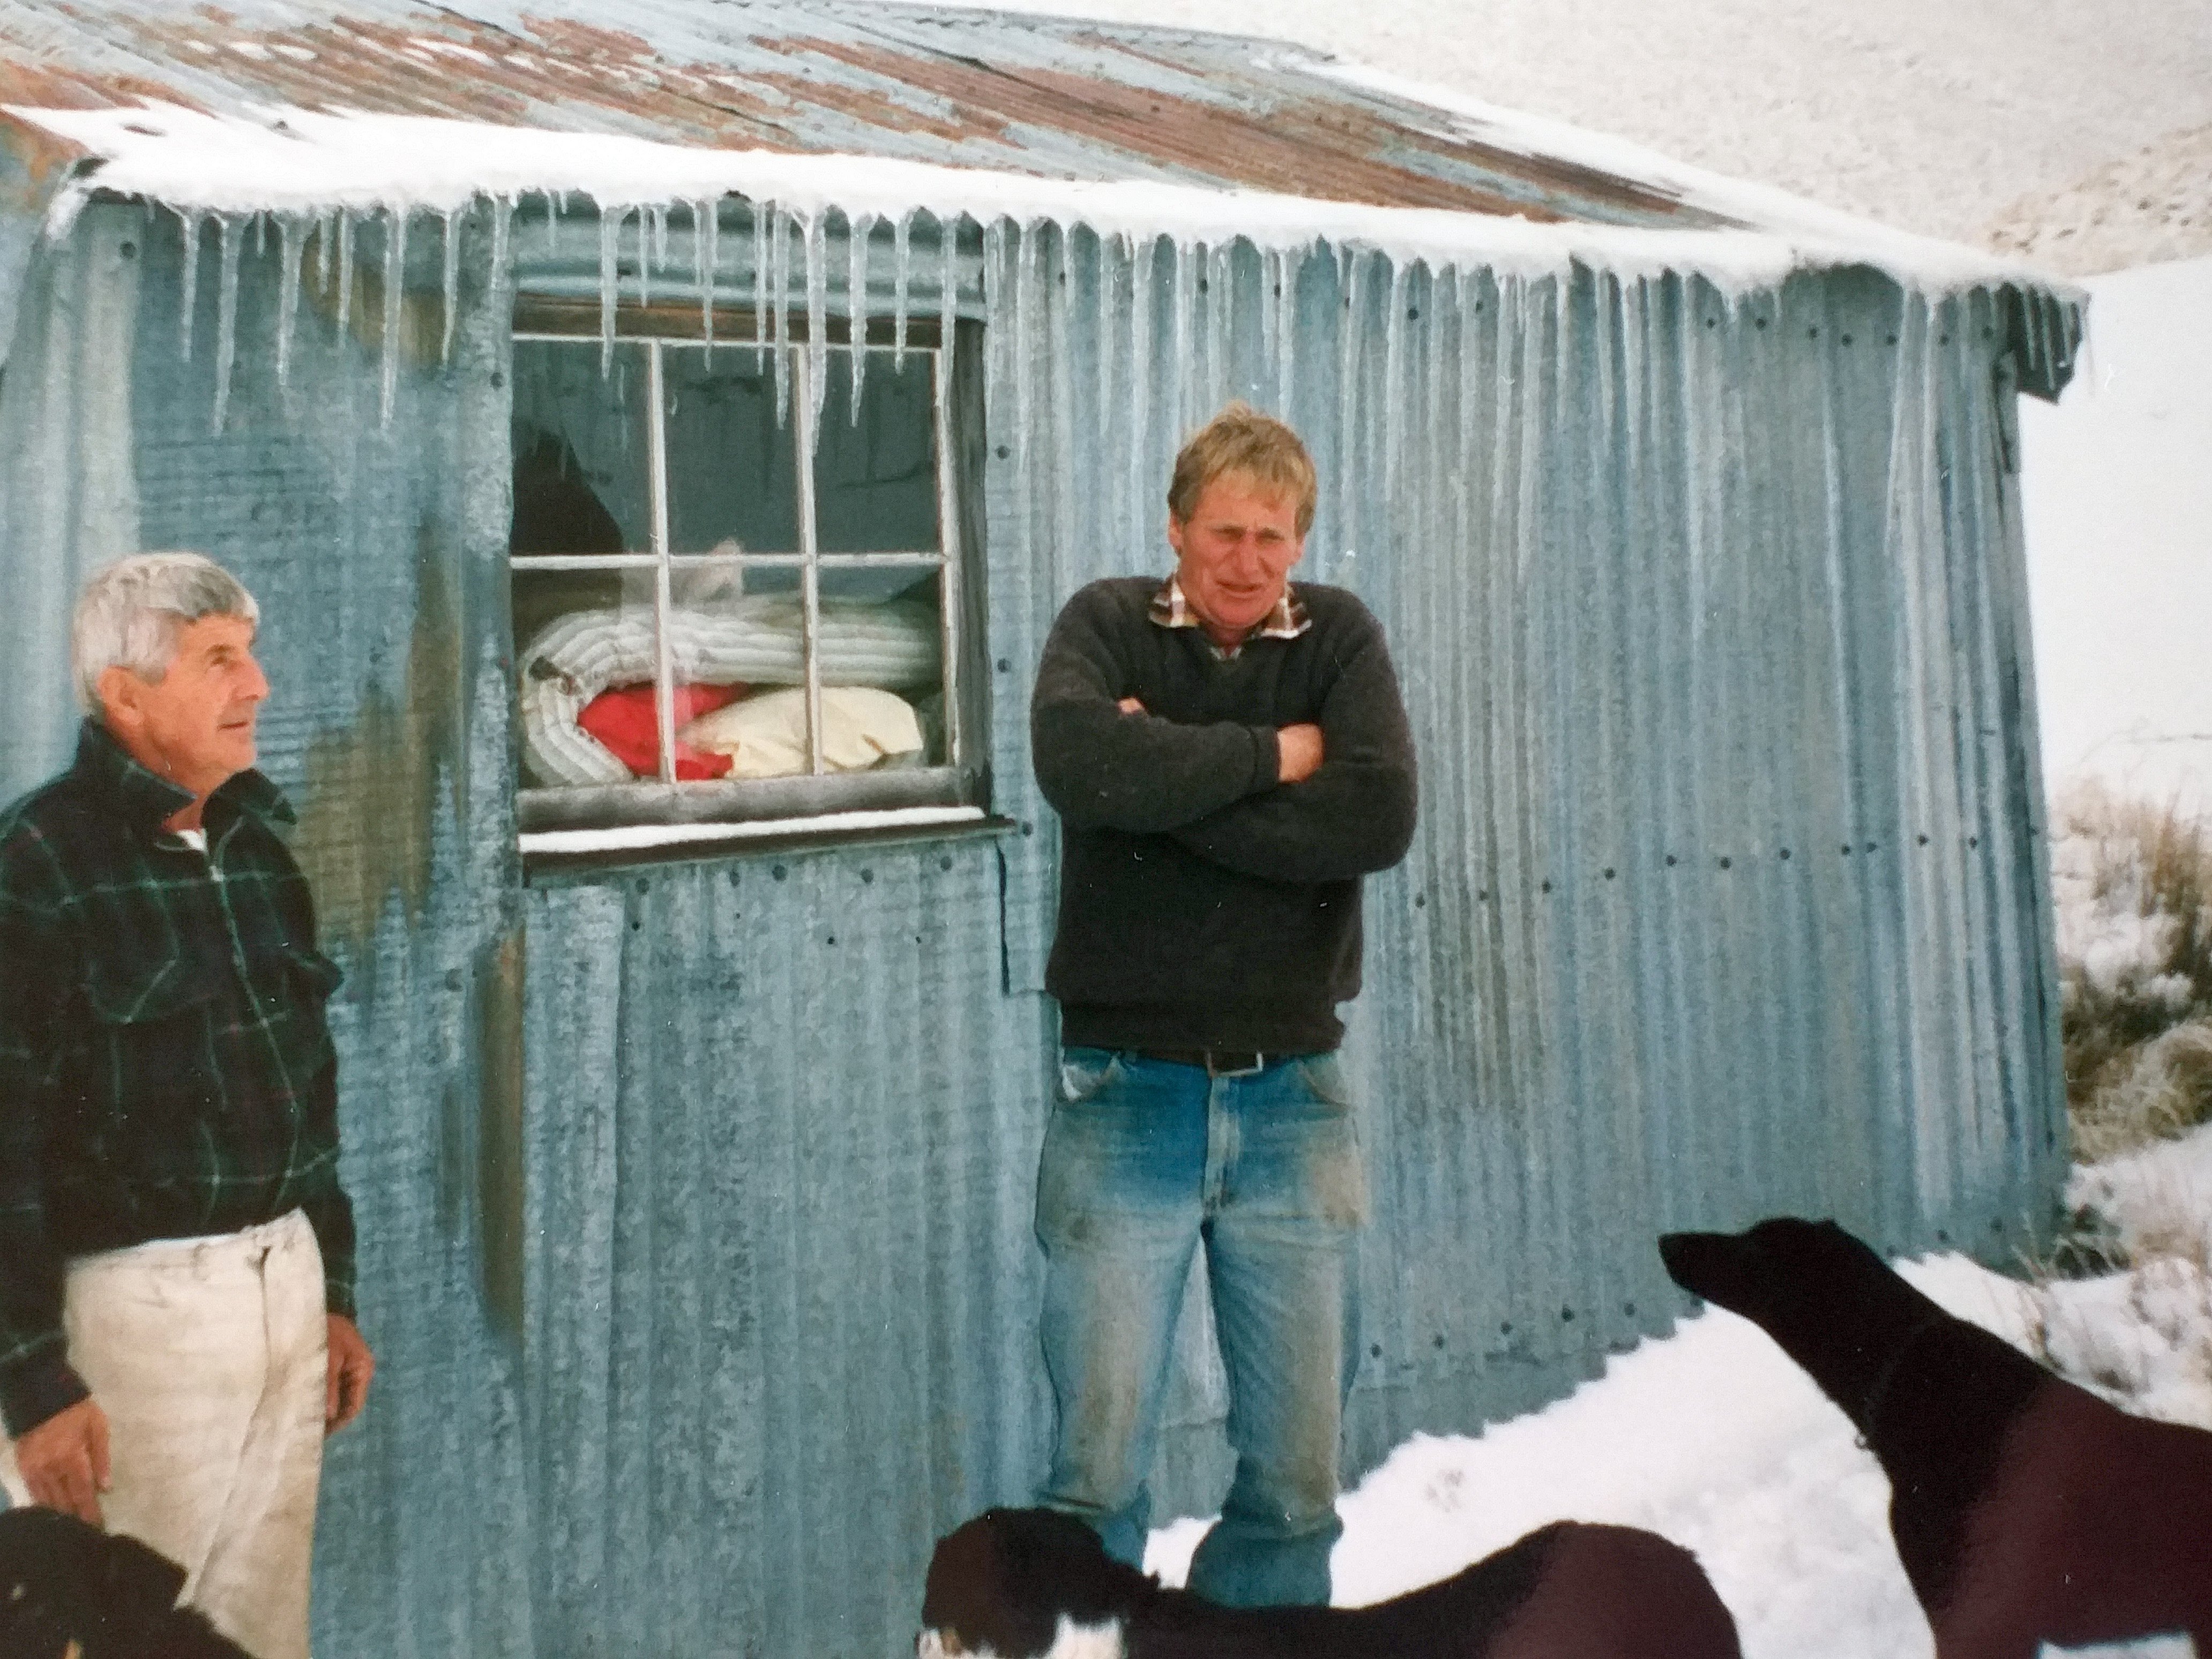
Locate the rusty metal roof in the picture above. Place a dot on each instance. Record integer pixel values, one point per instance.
(1050, 97)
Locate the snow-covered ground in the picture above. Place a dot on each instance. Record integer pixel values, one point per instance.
(1714, 1438)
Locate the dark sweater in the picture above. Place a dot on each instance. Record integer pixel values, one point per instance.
(1202, 904)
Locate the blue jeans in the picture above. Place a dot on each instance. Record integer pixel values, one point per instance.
(1143, 1161)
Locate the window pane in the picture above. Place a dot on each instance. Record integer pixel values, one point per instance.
(733, 469)
(880, 631)
(587, 682)
(582, 483)
(583, 480)
(875, 480)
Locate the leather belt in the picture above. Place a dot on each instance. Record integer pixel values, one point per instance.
(1215, 1062)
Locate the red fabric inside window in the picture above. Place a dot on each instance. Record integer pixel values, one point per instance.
(623, 720)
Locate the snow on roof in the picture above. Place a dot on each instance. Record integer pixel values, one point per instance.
(292, 160)
(818, 105)
(1930, 261)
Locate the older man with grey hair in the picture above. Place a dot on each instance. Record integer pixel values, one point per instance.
(176, 1254)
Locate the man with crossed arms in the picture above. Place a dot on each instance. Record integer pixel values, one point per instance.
(1229, 754)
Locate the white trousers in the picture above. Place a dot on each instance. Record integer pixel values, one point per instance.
(208, 1357)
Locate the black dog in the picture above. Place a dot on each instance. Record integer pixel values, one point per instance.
(1014, 1583)
(2025, 1510)
(66, 1587)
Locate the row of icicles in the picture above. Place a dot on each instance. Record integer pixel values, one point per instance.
(775, 234)
(2049, 342)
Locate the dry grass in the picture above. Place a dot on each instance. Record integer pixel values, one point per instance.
(2121, 1300)
(2138, 1036)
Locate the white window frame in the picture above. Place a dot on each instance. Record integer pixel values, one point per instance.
(622, 816)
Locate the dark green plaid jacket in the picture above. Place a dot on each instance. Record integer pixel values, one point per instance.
(165, 1069)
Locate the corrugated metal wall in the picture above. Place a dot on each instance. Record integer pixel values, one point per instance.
(695, 1198)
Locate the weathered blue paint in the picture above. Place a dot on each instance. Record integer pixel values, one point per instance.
(696, 1196)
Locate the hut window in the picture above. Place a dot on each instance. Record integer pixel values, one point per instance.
(738, 572)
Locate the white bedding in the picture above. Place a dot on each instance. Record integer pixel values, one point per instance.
(752, 641)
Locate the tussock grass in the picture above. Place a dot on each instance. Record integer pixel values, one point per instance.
(2133, 883)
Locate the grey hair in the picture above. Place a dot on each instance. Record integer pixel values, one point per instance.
(132, 613)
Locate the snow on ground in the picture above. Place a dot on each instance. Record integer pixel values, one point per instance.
(2097, 894)
(1711, 1436)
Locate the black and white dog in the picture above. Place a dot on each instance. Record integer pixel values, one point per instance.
(69, 1588)
(1025, 1583)
(2025, 1510)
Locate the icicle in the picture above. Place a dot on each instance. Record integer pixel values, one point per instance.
(1562, 346)
(1440, 483)
(1185, 293)
(902, 256)
(948, 281)
(1059, 368)
(1635, 321)
(1031, 279)
(1221, 332)
(644, 255)
(553, 225)
(326, 234)
(1507, 435)
(1286, 331)
(395, 277)
(660, 235)
(1349, 317)
(1271, 302)
(779, 255)
(1144, 254)
(345, 268)
(226, 326)
(1015, 291)
(857, 232)
(287, 298)
(1393, 353)
(450, 248)
(501, 211)
(706, 261)
(1102, 264)
(817, 316)
(760, 211)
(189, 300)
(609, 274)
(260, 236)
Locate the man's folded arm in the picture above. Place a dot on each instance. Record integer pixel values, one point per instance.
(1104, 768)
(1352, 817)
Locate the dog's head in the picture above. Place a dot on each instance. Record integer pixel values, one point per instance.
(68, 1588)
(1006, 1583)
(1767, 1271)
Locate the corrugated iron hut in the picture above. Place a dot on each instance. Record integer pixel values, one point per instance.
(692, 1106)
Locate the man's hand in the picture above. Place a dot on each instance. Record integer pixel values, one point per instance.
(64, 1461)
(1130, 706)
(351, 1365)
(1299, 756)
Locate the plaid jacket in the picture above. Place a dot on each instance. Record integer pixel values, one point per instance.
(165, 1069)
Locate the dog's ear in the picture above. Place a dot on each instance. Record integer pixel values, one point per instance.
(981, 1592)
